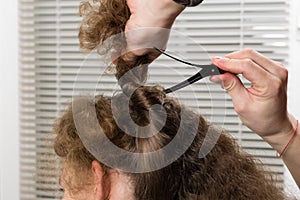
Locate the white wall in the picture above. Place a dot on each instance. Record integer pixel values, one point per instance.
(294, 81)
(9, 158)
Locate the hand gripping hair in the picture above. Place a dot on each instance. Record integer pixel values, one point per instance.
(146, 134)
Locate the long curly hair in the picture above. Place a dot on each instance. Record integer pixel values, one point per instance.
(225, 173)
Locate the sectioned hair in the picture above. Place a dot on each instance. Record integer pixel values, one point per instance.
(225, 173)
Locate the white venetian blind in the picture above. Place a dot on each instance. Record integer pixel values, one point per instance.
(53, 69)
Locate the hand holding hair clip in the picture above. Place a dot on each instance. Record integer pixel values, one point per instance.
(207, 70)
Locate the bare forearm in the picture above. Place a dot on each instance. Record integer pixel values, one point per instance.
(291, 155)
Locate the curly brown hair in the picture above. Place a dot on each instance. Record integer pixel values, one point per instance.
(225, 173)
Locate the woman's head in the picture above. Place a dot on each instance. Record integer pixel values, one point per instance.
(69, 145)
(83, 176)
(91, 172)
(224, 173)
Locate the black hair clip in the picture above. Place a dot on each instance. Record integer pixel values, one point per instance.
(207, 70)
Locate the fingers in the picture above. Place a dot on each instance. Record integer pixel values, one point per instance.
(235, 88)
(265, 101)
(249, 69)
(264, 83)
(274, 67)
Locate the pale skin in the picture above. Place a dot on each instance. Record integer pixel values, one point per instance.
(142, 33)
(262, 107)
(116, 186)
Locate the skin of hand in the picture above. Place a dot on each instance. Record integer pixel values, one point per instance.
(149, 25)
(263, 106)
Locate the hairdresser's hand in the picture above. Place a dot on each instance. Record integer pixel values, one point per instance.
(149, 25)
(263, 106)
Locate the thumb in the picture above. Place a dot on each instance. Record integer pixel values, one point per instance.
(233, 85)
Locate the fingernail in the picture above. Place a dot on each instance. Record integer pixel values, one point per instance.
(220, 59)
(223, 60)
(217, 58)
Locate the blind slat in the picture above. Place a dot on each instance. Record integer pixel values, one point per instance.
(53, 69)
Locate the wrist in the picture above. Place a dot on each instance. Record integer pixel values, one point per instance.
(164, 13)
(280, 139)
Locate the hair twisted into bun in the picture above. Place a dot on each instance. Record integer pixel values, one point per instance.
(225, 173)
(103, 27)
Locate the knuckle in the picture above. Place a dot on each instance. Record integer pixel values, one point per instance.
(282, 71)
(247, 62)
(229, 86)
(277, 84)
(279, 64)
(249, 51)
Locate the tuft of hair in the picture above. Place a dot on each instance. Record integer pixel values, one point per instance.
(225, 173)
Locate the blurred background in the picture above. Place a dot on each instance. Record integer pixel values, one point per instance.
(42, 68)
